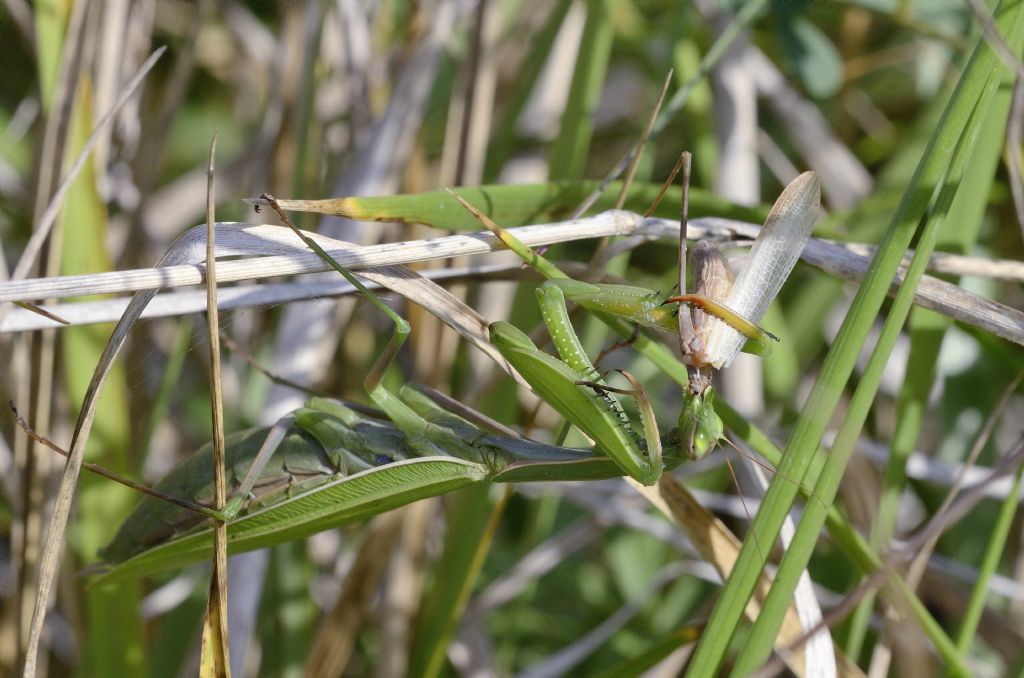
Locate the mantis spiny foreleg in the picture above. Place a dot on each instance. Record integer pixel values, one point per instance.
(573, 386)
(703, 341)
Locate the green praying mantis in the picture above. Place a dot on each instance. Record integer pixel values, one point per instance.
(326, 463)
(724, 321)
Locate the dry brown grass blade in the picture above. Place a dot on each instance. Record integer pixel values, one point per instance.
(272, 293)
(215, 660)
(278, 252)
(594, 267)
(720, 547)
(438, 301)
(626, 161)
(283, 254)
(687, 331)
(39, 310)
(627, 180)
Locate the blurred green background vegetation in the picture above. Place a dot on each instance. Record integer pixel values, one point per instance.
(329, 99)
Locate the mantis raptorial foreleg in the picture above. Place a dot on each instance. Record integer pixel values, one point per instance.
(592, 408)
(596, 412)
(726, 318)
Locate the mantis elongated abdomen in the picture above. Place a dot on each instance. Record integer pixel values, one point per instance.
(335, 465)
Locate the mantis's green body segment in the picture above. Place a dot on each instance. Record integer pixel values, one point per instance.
(724, 320)
(594, 411)
(597, 413)
(335, 465)
(325, 464)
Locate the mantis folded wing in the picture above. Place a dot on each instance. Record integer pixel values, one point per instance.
(334, 465)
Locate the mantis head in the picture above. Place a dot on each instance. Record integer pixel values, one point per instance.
(699, 424)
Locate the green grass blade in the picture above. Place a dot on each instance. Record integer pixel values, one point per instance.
(927, 329)
(852, 544)
(568, 153)
(982, 79)
(838, 365)
(517, 205)
(996, 543)
(849, 540)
